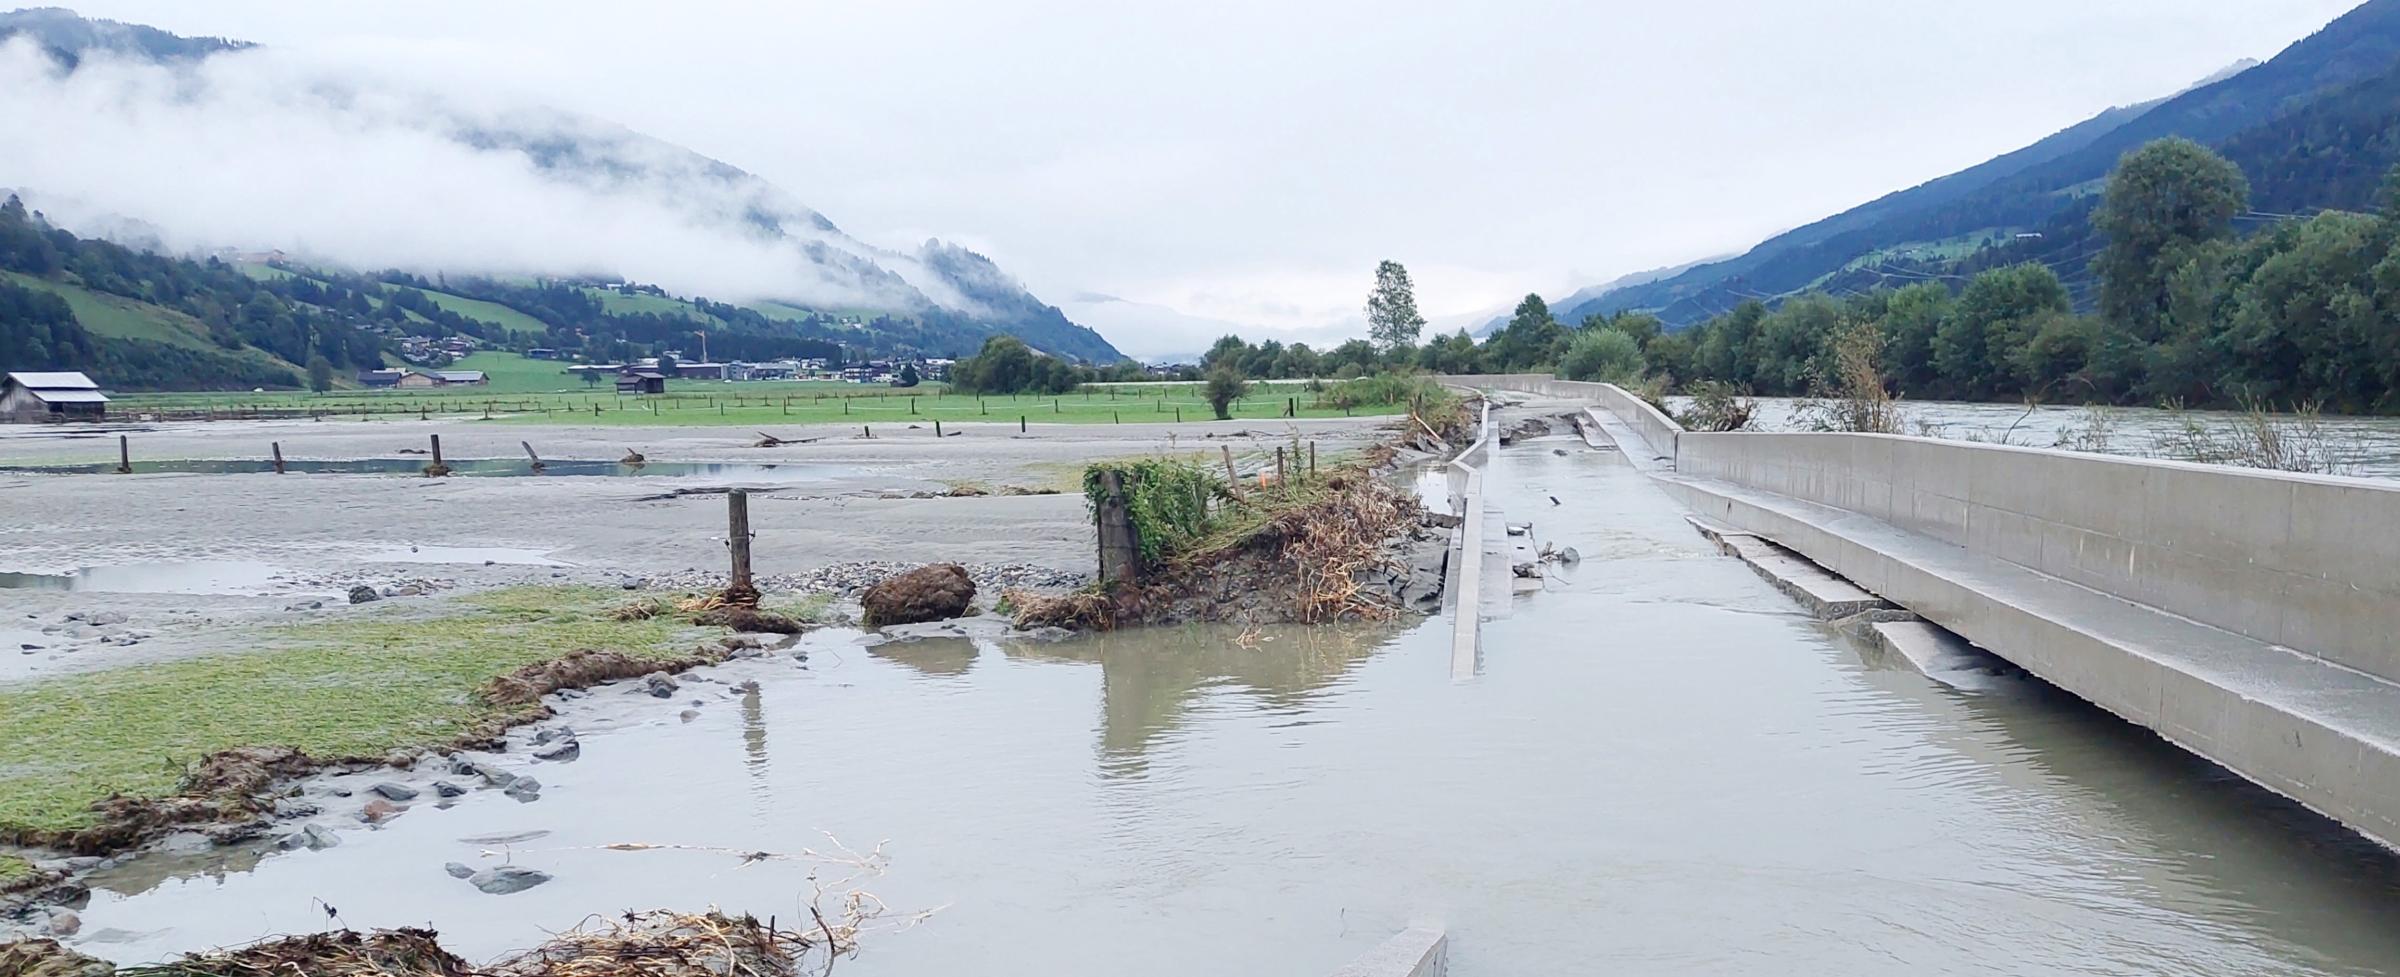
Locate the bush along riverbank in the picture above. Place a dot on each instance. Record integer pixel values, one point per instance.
(1291, 543)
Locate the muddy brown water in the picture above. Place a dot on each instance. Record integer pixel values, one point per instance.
(1662, 768)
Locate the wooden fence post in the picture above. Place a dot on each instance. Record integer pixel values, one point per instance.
(278, 448)
(937, 427)
(1233, 482)
(537, 459)
(1120, 550)
(737, 541)
(436, 469)
(1312, 458)
(124, 457)
(1280, 480)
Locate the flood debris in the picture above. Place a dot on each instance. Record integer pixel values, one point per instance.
(648, 944)
(934, 592)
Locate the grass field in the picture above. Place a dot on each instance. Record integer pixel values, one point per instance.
(491, 312)
(118, 317)
(615, 302)
(538, 391)
(355, 686)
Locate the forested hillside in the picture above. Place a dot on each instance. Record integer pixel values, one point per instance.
(2306, 125)
(138, 320)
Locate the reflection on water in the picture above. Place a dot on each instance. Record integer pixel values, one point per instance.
(1151, 679)
(196, 577)
(1662, 769)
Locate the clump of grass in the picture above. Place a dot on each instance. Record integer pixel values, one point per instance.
(13, 870)
(2258, 438)
(362, 686)
(813, 608)
(1854, 397)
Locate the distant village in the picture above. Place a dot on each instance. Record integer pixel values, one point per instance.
(429, 358)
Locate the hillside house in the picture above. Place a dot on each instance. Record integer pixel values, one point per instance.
(462, 378)
(30, 397)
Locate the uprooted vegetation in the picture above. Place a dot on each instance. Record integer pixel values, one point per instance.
(650, 944)
(1334, 546)
(105, 761)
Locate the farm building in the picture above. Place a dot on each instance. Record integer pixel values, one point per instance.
(402, 378)
(51, 397)
(641, 382)
(461, 378)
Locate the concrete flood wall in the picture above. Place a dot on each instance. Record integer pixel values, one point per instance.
(2247, 616)
(2307, 562)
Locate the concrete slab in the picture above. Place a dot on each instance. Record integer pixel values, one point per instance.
(1942, 656)
(1421, 951)
(1823, 593)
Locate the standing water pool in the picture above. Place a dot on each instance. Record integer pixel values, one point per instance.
(1662, 768)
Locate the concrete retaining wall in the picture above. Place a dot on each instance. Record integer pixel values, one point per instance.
(1465, 474)
(2307, 562)
(1654, 426)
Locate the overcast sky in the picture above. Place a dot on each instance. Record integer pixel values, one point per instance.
(1251, 161)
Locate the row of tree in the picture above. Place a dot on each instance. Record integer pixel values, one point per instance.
(2304, 310)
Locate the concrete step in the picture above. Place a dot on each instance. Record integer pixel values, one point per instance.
(1823, 593)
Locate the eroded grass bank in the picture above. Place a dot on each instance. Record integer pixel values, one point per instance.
(361, 687)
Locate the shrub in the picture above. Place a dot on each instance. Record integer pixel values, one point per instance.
(1225, 387)
(1603, 355)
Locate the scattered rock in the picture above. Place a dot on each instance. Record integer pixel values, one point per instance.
(445, 788)
(560, 752)
(507, 879)
(659, 685)
(64, 922)
(104, 619)
(630, 583)
(379, 810)
(395, 792)
(524, 789)
(458, 871)
(314, 837)
(363, 594)
(552, 734)
(306, 605)
(937, 592)
(688, 715)
(496, 777)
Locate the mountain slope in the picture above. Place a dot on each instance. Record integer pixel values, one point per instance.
(622, 201)
(2030, 187)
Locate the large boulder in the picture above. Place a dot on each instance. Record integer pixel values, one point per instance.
(936, 592)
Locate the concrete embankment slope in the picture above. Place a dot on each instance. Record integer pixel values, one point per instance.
(2251, 617)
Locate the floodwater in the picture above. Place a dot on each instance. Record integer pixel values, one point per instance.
(2363, 446)
(486, 467)
(1661, 768)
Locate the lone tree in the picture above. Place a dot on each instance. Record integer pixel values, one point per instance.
(1392, 318)
(1225, 387)
(320, 373)
(908, 376)
(2164, 201)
